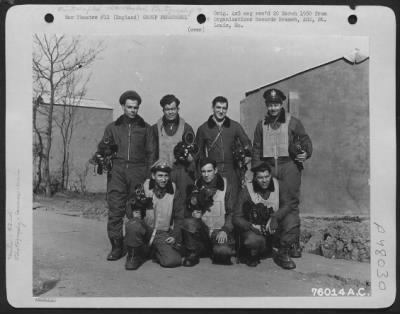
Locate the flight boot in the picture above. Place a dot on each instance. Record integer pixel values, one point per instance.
(253, 260)
(191, 260)
(135, 258)
(117, 250)
(283, 258)
(295, 250)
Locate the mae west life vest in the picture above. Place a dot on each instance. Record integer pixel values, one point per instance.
(159, 217)
(215, 218)
(276, 142)
(167, 143)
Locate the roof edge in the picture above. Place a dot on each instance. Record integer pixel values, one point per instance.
(79, 106)
(298, 73)
(81, 103)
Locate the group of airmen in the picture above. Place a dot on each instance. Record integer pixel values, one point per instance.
(200, 207)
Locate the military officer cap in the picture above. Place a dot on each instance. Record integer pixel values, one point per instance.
(161, 165)
(207, 160)
(274, 95)
(130, 94)
(260, 166)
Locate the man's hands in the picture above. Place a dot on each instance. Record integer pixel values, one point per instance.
(256, 228)
(272, 225)
(170, 240)
(222, 237)
(190, 158)
(301, 157)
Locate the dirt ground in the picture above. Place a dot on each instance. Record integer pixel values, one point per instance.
(70, 238)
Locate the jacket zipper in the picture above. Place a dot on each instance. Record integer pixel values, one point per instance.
(129, 141)
(223, 152)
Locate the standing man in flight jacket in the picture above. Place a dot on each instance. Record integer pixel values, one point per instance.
(135, 153)
(216, 139)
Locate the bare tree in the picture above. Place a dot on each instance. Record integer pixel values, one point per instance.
(80, 184)
(37, 146)
(67, 119)
(56, 59)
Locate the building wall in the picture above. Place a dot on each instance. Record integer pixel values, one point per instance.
(333, 105)
(88, 131)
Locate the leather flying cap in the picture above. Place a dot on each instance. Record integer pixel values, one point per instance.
(207, 160)
(274, 95)
(161, 165)
(130, 94)
(260, 166)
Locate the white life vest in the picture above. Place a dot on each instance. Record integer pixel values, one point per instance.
(273, 199)
(215, 218)
(167, 143)
(276, 142)
(159, 217)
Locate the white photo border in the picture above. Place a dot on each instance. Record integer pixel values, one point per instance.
(376, 23)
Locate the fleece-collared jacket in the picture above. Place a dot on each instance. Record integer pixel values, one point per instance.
(222, 150)
(135, 140)
(285, 203)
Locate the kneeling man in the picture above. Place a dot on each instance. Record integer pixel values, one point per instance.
(210, 232)
(266, 208)
(160, 229)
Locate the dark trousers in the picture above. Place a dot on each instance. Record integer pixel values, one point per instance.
(181, 177)
(138, 234)
(253, 242)
(197, 239)
(120, 187)
(289, 229)
(288, 233)
(290, 173)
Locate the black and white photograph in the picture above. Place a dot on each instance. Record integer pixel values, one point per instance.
(177, 154)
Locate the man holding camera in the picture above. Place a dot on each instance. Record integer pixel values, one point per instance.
(265, 208)
(160, 228)
(281, 140)
(209, 230)
(134, 143)
(217, 138)
(170, 132)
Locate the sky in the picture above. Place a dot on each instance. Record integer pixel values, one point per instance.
(196, 69)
